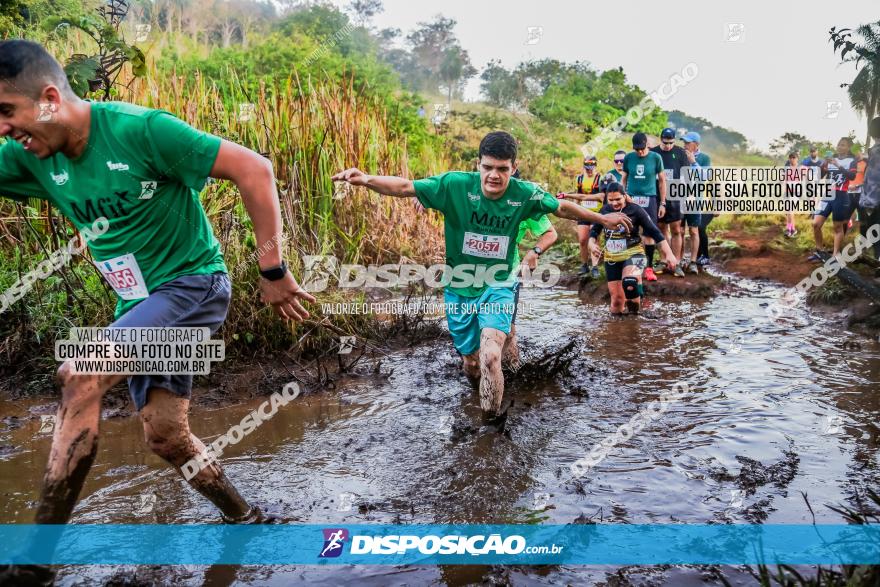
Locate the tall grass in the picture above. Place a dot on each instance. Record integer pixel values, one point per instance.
(309, 129)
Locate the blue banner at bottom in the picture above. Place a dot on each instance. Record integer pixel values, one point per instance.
(440, 544)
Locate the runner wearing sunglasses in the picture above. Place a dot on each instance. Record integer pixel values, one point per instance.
(588, 184)
(645, 182)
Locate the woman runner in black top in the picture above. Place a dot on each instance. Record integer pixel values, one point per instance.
(624, 252)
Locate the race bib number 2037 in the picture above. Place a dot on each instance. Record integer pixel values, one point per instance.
(486, 246)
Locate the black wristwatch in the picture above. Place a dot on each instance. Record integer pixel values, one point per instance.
(274, 273)
(538, 250)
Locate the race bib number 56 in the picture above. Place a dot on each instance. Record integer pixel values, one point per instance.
(124, 276)
(486, 246)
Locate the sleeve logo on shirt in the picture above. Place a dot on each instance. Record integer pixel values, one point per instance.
(61, 178)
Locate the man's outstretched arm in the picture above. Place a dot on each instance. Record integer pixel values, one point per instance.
(387, 185)
(575, 212)
(253, 175)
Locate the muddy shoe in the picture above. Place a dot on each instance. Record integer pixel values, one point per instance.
(497, 422)
(632, 307)
(26, 575)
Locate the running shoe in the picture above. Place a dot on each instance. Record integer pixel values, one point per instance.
(793, 232)
(649, 274)
(815, 257)
(659, 267)
(693, 269)
(679, 272)
(702, 260)
(594, 273)
(585, 268)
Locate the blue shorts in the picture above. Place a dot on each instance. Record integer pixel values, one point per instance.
(692, 220)
(467, 316)
(190, 301)
(840, 208)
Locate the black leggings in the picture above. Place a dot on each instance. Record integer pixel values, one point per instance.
(704, 237)
(868, 217)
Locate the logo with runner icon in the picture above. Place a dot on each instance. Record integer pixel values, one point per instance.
(148, 188)
(334, 540)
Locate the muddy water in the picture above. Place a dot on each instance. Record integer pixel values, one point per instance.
(776, 408)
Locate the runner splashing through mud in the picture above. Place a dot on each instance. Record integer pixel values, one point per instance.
(482, 214)
(92, 160)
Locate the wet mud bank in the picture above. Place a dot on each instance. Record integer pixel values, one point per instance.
(765, 256)
(774, 409)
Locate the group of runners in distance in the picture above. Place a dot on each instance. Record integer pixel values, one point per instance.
(846, 171)
(91, 160)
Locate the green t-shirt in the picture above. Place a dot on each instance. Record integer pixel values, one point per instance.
(617, 175)
(641, 179)
(479, 231)
(142, 170)
(536, 227)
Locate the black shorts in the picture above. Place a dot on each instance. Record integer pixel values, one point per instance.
(840, 208)
(673, 212)
(693, 220)
(614, 269)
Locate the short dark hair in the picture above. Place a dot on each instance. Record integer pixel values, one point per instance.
(28, 68)
(500, 145)
(614, 186)
(874, 128)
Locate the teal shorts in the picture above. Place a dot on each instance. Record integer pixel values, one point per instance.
(467, 316)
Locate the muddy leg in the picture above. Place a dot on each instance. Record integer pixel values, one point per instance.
(510, 352)
(839, 234)
(615, 288)
(74, 443)
(166, 430)
(491, 378)
(470, 364)
(818, 223)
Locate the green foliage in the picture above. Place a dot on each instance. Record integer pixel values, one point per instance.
(435, 62)
(864, 91)
(99, 71)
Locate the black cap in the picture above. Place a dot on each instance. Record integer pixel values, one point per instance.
(640, 140)
(668, 133)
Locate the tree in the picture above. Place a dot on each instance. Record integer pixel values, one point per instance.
(437, 58)
(99, 72)
(864, 91)
(364, 10)
(455, 69)
(499, 86)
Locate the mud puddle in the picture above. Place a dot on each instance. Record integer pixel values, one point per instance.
(777, 408)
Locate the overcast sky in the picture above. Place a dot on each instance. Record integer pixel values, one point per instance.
(778, 76)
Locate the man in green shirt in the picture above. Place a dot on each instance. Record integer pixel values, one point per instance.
(641, 176)
(139, 171)
(482, 214)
